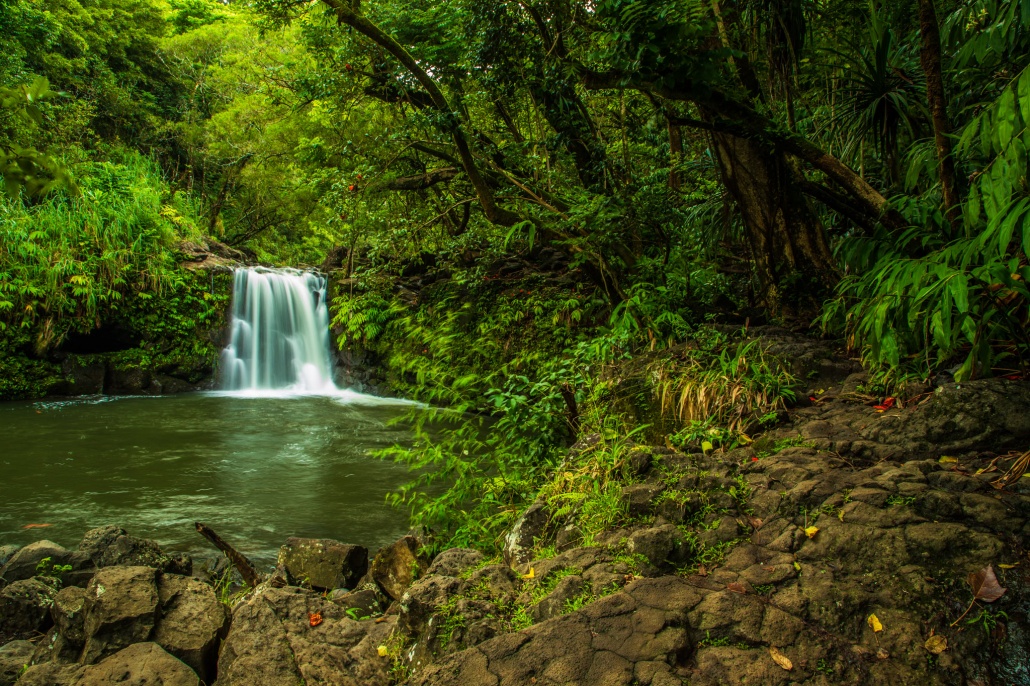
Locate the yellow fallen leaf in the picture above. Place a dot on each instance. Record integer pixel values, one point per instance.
(797, 566)
(781, 659)
(1005, 566)
(948, 459)
(382, 651)
(874, 624)
(936, 644)
(530, 575)
(840, 515)
(745, 439)
(811, 531)
(706, 446)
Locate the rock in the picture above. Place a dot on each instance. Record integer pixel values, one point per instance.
(82, 376)
(272, 643)
(454, 561)
(25, 608)
(192, 623)
(396, 567)
(120, 609)
(323, 564)
(23, 563)
(658, 544)
(424, 598)
(554, 603)
(6, 551)
(13, 658)
(530, 528)
(141, 664)
(67, 613)
(637, 498)
(600, 644)
(108, 546)
(358, 604)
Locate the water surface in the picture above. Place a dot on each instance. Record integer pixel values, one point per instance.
(255, 469)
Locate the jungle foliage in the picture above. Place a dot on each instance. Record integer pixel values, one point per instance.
(524, 201)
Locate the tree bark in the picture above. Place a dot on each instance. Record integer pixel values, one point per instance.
(930, 57)
(786, 238)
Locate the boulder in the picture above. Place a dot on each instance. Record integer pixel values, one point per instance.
(25, 608)
(530, 528)
(273, 642)
(23, 564)
(323, 563)
(67, 612)
(141, 664)
(120, 607)
(192, 623)
(454, 561)
(108, 546)
(6, 551)
(358, 604)
(396, 566)
(13, 658)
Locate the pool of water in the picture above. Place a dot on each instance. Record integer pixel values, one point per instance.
(255, 469)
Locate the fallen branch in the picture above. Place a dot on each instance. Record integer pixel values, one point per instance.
(239, 560)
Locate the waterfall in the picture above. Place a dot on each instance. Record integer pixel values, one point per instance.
(279, 338)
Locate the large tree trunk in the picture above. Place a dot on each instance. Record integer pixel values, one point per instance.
(786, 238)
(930, 56)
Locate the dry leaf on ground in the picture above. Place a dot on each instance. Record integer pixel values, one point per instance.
(985, 585)
(811, 531)
(780, 659)
(874, 624)
(936, 644)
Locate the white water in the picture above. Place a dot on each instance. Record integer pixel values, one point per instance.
(279, 341)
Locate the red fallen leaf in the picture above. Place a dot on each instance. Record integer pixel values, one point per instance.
(1012, 377)
(36, 526)
(769, 569)
(754, 458)
(348, 67)
(985, 585)
(887, 404)
(812, 398)
(351, 188)
(315, 619)
(736, 588)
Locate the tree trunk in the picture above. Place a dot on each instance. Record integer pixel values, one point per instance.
(930, 57)
(675, 155)
(786, 238)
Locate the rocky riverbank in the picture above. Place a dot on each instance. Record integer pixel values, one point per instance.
(848, 544)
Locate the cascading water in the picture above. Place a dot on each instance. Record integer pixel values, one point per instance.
(279, 338)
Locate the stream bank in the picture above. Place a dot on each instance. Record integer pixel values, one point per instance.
(837, 542)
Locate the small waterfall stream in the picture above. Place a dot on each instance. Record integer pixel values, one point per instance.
(279, 338)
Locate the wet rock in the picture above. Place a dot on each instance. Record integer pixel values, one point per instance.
(273, 643)
(423, 599)
(396, 567)
(24, 563)
(192, 623)
(25, 608)
(13, 658)
(323, 564)
(530, 528)
(554, 604)
(121, 608)
(111, 545)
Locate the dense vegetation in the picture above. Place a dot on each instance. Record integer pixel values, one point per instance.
(535, 209)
